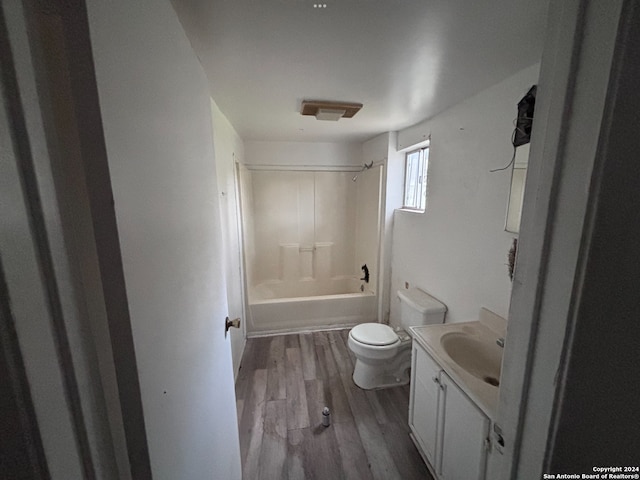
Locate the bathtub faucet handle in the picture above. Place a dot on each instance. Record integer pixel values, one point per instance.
(365, 269)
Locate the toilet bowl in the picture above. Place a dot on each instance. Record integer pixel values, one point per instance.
(383, 354)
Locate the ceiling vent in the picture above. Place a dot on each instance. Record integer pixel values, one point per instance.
(332, 111)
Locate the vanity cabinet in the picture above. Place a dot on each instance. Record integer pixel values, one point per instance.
(465, 435)
(424, 407)
(448, 428)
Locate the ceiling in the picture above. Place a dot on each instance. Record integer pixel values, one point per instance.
(405, 60)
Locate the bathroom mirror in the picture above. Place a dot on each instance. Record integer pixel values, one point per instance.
(516, 193)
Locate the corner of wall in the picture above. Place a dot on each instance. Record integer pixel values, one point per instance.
(229, 149)
(376, 148)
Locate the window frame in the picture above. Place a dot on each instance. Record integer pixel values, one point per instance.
(421, 150)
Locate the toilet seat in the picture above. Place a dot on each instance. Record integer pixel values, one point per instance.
(375, 334)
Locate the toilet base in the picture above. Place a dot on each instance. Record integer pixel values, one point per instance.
(393, 372)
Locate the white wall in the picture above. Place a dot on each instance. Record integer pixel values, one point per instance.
(303, 153)
(376, 149)
(383, 149)
(229, 149)
(157, 123)
(457, 250)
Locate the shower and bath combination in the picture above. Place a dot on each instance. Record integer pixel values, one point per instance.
(364, 167)
(307, 236)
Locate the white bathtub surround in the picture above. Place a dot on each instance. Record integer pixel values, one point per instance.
(294, 210)
(307, 234)
(291, 265)
(322, 260)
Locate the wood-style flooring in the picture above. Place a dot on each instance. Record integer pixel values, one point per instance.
(283, 384)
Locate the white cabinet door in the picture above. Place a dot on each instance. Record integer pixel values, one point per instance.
(463, 438)
(424, 403)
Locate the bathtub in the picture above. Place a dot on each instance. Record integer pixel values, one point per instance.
(281, 307)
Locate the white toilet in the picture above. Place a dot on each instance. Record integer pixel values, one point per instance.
(383, 353)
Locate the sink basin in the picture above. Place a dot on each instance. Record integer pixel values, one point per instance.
(482, 359)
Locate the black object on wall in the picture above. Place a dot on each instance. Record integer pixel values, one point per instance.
(365, 269)
(524, 122)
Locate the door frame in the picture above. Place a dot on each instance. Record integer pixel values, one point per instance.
(582, 70)
(76, 343)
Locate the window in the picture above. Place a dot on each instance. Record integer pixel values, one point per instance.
(415, 179)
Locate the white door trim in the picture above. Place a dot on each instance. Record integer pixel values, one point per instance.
(61, 258)
(572, 96)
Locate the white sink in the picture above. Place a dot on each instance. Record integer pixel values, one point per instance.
(468, 353)
(480, 358)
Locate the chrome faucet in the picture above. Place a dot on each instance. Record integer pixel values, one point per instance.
(500, 342)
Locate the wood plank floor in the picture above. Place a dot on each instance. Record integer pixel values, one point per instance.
(283, 384)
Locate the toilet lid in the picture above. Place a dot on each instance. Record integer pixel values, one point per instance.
(374, 334)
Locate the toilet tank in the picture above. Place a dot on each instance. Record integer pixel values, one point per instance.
(419, 308)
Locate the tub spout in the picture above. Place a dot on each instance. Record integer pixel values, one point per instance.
(365, 269)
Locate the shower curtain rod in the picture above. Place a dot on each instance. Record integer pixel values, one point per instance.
(313, 168)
